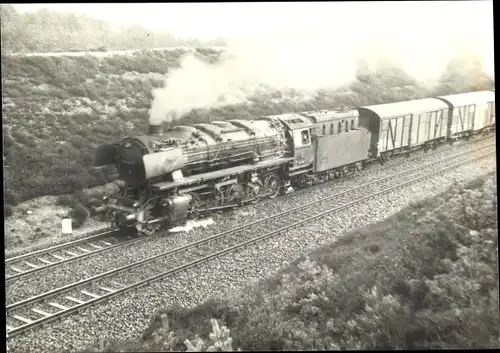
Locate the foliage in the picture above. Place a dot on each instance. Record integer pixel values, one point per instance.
(425, 278)
(50, 31)
(164, 339)
(7, 210)
(65, 200)
(78, 215)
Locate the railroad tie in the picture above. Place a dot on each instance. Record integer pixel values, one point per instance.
(46, 261)
(116, 284)
(95, 246)
(23, 319)
(57, 257)
(16, 269)
(105, 242)
(30, 264)
(90, 294)
(78, 301)
(107, 289)
(70, 253)
(59, 306)
(82, 249)
(41, 312)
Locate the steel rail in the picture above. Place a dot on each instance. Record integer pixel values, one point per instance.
(114, 292)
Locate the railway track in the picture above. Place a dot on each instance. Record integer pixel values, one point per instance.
(33, 262)
(72, 298)
(18, 266)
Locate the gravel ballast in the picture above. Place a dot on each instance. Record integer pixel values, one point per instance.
(126, 317)
(55, 277)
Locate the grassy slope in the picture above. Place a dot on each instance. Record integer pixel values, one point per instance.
(57, 110)
(425, 278)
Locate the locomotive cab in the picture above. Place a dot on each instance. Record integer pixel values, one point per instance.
(300, 134)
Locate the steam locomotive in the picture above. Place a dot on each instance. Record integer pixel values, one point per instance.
(171, 176)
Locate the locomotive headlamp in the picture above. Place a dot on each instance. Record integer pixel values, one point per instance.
(104, 198)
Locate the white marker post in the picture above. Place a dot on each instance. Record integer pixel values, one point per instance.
(66, 226)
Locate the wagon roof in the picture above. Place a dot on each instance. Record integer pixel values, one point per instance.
(462, 99)
(320, 116)
(407, 107)
(293, 120)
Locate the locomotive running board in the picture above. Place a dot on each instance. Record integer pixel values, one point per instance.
(200, 178)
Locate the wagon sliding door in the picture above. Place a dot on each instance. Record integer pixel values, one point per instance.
(437, 124)
(384, 136)
(489, 117)
(406, 126)
(395, 133)
(462, 119)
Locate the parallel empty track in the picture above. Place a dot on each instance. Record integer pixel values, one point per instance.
(16, 267)
(58, 303)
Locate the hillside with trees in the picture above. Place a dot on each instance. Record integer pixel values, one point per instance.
(49, 31)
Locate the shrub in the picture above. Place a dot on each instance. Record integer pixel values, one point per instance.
(7, 211)
(81, 197)
(12, 197)
(79, 214)
(65, 200)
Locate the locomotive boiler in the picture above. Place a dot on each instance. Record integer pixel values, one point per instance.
(169, 175)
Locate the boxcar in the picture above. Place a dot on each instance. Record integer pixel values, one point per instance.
(470, 112)
(401, 126)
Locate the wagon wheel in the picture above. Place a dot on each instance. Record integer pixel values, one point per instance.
(253, 193)
(218, 197)
(272, 186)
(195, 204)
(236, 194)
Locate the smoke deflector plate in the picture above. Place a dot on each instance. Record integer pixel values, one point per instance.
(161, 163)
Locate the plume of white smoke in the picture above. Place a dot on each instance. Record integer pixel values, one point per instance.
(248, 69)
(323, 58)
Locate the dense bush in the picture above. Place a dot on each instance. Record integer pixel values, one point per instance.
(425, 278)
(65, 200)
(7, 210)
(78, 215)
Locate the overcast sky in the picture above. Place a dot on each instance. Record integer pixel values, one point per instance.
(248, 19)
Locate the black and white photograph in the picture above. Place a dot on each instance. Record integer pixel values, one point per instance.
(249, 176)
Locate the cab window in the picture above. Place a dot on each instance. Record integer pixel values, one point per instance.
(331, 129)
(324, 129)
(339, 130)
(305, 137)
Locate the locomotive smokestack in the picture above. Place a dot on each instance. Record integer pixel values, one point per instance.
(155, 130)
